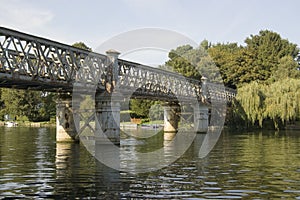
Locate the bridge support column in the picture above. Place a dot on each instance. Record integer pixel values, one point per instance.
(201, 119)
(65, 123)
(171, 117)
(108, 117)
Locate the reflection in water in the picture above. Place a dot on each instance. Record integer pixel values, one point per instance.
(78, 174)
(153, 153)
(242, 166)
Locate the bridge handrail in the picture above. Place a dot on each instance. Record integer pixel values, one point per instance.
(47, 42)
(158, 70)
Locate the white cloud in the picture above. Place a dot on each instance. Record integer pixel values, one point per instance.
(19, 15)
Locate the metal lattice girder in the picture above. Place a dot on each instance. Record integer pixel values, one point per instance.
(30, 62)
(155, 83)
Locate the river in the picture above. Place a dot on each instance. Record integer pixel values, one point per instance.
(250, 165)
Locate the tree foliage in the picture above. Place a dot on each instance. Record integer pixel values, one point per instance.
(81, 45)
(35, 105)
(278, 101)
(263, 56)
(194, 62)
(140, 107)
(183, 61)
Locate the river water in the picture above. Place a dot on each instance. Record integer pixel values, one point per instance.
(252, 165)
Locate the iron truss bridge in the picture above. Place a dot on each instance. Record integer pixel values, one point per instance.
(35, 63)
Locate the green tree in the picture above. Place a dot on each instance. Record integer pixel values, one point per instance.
(252, 97)
(286, 68)
(282, 101)
(48, 106)
(183, 61)
(261, 102)
(140, 107)
(267, 49)
(82, 45)
(35, 105)
(194, 62)
(205, 44)
(257, 61)
(229, 58)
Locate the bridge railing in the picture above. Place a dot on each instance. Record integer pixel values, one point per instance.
(156, 83)
(30, 58)
(218, 92)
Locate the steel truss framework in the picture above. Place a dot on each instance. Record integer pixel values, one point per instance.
(30, 62)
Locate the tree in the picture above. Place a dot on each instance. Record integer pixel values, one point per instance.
(35, 105)
(278, 102)
(140, 107)
(229, 58)
(82, 45)
(282, 101)
(205, 44)
(257, 61)
(48, 106)
(267, 49)
(194, 62)
(286, 68)
(184, 62)
(251, 97)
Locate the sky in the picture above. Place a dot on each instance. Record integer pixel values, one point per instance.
(96, 21)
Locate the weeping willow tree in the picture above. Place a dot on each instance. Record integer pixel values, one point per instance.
(251, 98)
(282, 102)
(278, 101)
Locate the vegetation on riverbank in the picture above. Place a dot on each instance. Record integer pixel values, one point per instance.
(265, 73)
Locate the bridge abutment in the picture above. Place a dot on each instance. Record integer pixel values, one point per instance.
(171, 117)
(65, 123)
(201, 118)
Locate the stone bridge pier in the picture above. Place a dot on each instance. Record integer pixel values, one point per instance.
(201, 118)
(107, 117)
(172, 117)
(65, 122)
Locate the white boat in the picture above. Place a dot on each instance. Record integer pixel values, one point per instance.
(11, 124)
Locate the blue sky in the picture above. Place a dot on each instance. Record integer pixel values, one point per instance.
(94, 22)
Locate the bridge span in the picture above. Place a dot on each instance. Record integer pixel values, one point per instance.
(35, 63)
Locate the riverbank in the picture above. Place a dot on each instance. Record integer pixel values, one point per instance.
(30, 124)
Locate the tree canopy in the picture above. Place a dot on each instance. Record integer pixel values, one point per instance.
(35, 105)
(263, 55)
(82, 45)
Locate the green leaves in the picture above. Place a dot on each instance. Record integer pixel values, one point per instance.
(81, 45)
(183, 60)
(35, 105)
(279, 101)
(265, 56)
